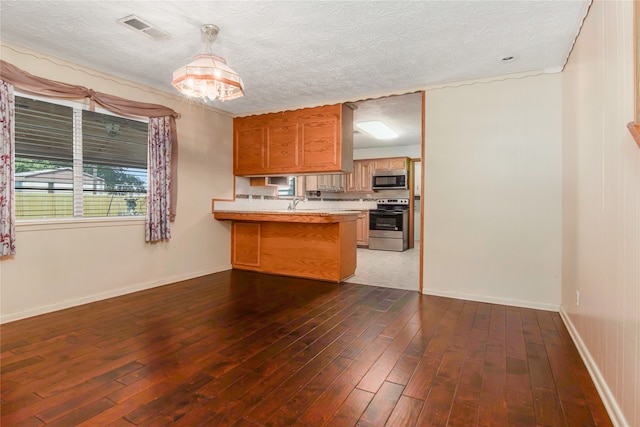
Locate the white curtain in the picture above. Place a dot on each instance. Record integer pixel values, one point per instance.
(7, 154)
(158, 194)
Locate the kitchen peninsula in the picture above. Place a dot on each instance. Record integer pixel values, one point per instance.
(310, 244)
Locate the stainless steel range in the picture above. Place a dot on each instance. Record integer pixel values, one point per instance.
(389, 225)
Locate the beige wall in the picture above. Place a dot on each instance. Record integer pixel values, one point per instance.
(601, 175)
(492, 187)
(412, 151)
(63, 264)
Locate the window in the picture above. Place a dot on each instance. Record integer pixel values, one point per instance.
(71, 162)
(289, 191)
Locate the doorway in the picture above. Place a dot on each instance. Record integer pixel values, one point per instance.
(401, 270)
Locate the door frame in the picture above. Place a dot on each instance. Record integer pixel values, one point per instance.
(422, 177)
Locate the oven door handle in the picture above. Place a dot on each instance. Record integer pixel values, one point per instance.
(386, 213)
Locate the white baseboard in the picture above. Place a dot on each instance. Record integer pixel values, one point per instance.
(492, 300)
(36, 311)
(615, 413)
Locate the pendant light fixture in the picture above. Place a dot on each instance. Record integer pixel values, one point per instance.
(208, 77)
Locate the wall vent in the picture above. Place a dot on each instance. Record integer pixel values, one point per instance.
(141, 26)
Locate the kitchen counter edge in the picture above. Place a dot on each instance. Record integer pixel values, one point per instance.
(309, 217)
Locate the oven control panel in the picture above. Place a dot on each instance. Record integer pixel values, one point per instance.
(393, 202)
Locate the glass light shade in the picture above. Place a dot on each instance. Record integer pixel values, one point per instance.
(208, 77)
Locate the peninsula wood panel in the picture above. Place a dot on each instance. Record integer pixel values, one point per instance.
(324, 251)
(348, 251)
(305, 250)
(246, 244)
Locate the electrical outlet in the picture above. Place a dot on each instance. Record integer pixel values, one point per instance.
(577, 298)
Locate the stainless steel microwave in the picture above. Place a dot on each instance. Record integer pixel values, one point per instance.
(390, 179)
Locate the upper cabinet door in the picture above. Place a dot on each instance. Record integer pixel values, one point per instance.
(366, 176)
(248, 151)
(319, 144)
(398, 163)
(282, 147)
(360, 180)
(392, 163)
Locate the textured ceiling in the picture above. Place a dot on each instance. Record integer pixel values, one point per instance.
(297, 53)
(402, 113)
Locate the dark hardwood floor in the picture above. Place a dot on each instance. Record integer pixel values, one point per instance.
(244, 349)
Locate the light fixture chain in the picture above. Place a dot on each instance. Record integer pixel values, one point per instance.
(209, 33)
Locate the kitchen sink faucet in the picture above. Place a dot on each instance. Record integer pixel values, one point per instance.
(294, 202)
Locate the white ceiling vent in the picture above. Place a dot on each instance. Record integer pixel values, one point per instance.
(141, 26)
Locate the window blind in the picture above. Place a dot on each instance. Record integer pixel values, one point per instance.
(114, 141)
(73, 162)
(43, 130)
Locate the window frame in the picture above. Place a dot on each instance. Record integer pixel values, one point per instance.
(292, 188)
(80, 221)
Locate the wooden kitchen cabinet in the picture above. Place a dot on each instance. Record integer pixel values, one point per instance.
(269, 181)
(314, 245)
(359, 181)
(281, 146)
(309, 140)
(320, 140)
(333, 183)
(392, 163)
(250, 142)
(362, 229)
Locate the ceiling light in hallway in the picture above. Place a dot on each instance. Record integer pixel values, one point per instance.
(377, 129)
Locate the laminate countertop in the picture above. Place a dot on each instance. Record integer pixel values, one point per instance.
(302, 216)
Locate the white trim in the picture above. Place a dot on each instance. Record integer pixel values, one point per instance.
(493, 300)
(578, 27)
(27, 225)
(78, 166)
(5, 318)
(609, 400)
(78, 103)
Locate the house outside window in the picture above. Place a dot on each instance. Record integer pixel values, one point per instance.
(71, 162)
(289, 191)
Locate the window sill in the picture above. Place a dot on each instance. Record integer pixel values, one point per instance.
(73, 223)
(635, 132)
